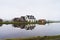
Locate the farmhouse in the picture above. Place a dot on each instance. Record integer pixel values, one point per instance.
(30, 18)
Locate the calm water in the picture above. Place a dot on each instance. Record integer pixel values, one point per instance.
(11, 31)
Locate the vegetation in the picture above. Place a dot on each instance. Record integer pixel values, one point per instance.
(38, 38)
(19, 22)
(42, 22)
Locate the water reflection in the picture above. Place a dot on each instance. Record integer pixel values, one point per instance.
(25, 26)
(28, 30)
(1, 25)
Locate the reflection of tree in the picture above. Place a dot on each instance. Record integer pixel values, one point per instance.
(1, 22)
(24, 26)
(19, 26)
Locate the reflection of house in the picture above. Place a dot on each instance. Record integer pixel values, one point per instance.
(24, 26)
(30, 26)
(30, 18)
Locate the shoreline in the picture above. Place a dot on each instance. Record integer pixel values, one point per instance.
(37, 38)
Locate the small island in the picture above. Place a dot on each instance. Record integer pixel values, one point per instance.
(28, 19)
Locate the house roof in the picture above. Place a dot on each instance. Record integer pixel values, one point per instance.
(23, 17)
(30, 17)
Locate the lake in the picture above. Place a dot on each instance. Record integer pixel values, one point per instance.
(29, 30)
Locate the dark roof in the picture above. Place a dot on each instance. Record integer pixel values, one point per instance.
(30, 17)
(22, 18)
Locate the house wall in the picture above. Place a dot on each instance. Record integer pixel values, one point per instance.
(30, 20)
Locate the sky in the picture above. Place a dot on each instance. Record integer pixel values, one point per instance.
(46, 9)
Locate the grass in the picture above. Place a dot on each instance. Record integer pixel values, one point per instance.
(38, 38)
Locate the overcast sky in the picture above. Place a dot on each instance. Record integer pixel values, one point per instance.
(48, 9)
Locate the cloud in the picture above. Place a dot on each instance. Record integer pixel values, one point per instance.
(49, 9)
